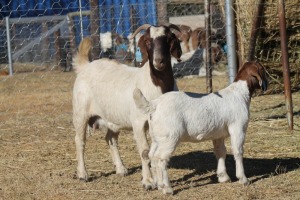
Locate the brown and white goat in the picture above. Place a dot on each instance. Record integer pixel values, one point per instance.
(103, 90)
(189, 117)
(184, 37)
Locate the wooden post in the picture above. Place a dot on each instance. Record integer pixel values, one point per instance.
(162, 13)
(95, 33)
(255, 28)
(59, 59)
(133, 28)
(285, 64)
(72, 43)
(45, 42)
(208, 47)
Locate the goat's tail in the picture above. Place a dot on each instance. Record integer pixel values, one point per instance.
(141, 102)
(82, 56)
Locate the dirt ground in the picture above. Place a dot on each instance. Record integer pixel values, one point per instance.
(37, 150)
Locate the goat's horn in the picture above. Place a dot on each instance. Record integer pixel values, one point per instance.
(142, 27)
(173, 26)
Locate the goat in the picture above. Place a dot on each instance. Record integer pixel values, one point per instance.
(178, 116)
(193, 63)
(198, 38)
(102, 95)
(184, 37)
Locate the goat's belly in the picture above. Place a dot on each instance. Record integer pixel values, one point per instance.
(113, 120)
(213, 135)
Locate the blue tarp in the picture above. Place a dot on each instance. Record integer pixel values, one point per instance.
(114, 14)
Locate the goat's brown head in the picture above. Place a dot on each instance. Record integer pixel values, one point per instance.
(160, 43)
(255, 75)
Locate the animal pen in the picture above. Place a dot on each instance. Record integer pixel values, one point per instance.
(38, 40)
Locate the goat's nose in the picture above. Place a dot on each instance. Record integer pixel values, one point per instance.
(159, 64)
(159, 61)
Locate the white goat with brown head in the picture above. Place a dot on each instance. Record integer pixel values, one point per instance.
(178, 116)
(102, 95)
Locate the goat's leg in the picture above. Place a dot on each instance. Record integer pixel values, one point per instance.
(153, 163)
(112, 140)
(220, 153)
(80, 139)
(162, 154)
(143, 148)
(162, 176)
(237, 142)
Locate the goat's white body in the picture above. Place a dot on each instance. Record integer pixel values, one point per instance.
(206, 117)
(188, 117)
(109, 86)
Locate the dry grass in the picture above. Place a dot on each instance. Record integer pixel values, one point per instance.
(37, 159)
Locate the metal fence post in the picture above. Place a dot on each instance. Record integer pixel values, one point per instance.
(230, 37)
(10, 63)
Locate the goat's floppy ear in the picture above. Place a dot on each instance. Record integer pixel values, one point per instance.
(175, 48)
(260, 74)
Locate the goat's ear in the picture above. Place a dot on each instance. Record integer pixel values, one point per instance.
(258, 71)
(175, 48)
(143, 49)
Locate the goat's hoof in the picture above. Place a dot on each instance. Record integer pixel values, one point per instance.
(244, 181)
(223, 178)
(84, 180)
(167, 190)
(149, 186)
(83, 177)
(122, 172)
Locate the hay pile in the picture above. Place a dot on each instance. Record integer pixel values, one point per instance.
(268, 49)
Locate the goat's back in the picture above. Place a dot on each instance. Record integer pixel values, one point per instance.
(199, 116)
(108, 86)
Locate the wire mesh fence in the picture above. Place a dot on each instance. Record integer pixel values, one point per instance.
(36, 129)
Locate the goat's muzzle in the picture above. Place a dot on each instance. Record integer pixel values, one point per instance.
(159, 64)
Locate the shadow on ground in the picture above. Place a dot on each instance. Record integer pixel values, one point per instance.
(203, 162)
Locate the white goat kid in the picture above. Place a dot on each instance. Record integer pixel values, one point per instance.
(102, 95)
(179, 116)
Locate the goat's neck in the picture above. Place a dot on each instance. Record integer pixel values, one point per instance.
(240, 88)
(163, 79)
